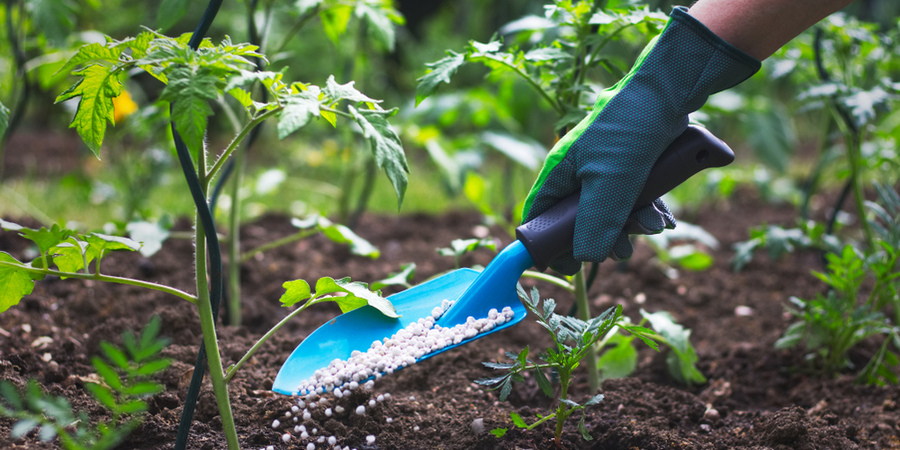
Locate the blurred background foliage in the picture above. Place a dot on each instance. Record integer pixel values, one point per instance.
(476, 144)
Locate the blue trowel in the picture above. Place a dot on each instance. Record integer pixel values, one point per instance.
(474, 293)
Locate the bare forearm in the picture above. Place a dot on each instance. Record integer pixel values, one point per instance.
(760, 27)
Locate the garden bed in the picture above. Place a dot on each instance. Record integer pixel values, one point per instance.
(762, 397)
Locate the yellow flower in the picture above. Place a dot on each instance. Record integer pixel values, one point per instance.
(123, 106)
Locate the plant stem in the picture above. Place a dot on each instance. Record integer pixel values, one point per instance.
(246, 256)
(556, 281)
(103, 278)
(234, 242)
(584, 313)
(217, 166)
(233, 369)
(208, 326)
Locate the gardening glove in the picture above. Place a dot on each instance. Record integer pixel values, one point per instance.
(609, 154)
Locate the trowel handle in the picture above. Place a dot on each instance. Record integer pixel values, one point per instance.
(551, 234)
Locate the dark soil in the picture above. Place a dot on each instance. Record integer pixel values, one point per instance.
(756, 396)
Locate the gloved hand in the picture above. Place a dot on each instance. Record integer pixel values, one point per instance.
(609, 154)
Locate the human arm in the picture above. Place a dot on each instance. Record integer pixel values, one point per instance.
(761, 27)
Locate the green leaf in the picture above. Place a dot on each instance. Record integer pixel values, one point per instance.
(386, 146)
(23, 427)
(116, 355)
(14, 283)
(10, 226)
(4, 119)
(335, 91)
(54, 18)
(142, 388)
(439, 72)
(132, 407)
(189, 91)
(91, 53)
(380, 25)
(792, 335)
(47, 433)
(583, 429)
(11, 394)
(620, 360)
(342, 235)
(106, 372)
(335, 20)
(150, 236)
(499, 432)
(402, 278)
(295, 292)
(170, 12)
(358, 295)
(543, 382)
(517, 420)
(298, 109)
(70, 257)
(459, 247)
(105, 243)
(594, 400)
(102, 394)
(97, 88)
(682, 362)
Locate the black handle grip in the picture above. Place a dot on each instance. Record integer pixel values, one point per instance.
(550, 235)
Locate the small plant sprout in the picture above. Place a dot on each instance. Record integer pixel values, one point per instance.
(574, 339)
(414, 342)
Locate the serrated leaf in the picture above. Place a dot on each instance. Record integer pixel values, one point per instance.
(380, 25)
(594, 400)
(385, 145)
(298, 109)
(569, 402)
(189, 91)
(150, 236)
(335, 92)
(583, 430)
(70, 257)
(10, 226)
(54, 18)
(620, 360)
(116, 355)
(342, 235)
(106, 243)
(357, 295)
(335, 20)
(142, 388)
(439, 72)
(11, 394)
(547, 54)
(170, 12)
(543, 382)
(47, 433)
(682, 362)
(402, 278)
(106, 372)
(152, 367)
(506, 389)
(4, 119)
(295, 292)
(23, 427)
(97, 88)
(499, 432)
(14, 284)
(102, 394)
(132, 407)
(517, 420)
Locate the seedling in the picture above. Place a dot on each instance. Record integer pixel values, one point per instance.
(573, 340)
(126, 382)
(863, 290)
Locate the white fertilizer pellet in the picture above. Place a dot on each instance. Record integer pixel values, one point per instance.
(332, 441)
(286, 437)
(370, 439)
(417, 340)
(310, 446)
(360, 410)
(276, 423)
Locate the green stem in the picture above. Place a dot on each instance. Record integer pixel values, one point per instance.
(234, 243)
(103, 278)
(550, 279)
(217, 166)
(584, 313)
(246, 256)
(537, 86)
(233, 369)
(208, 327)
